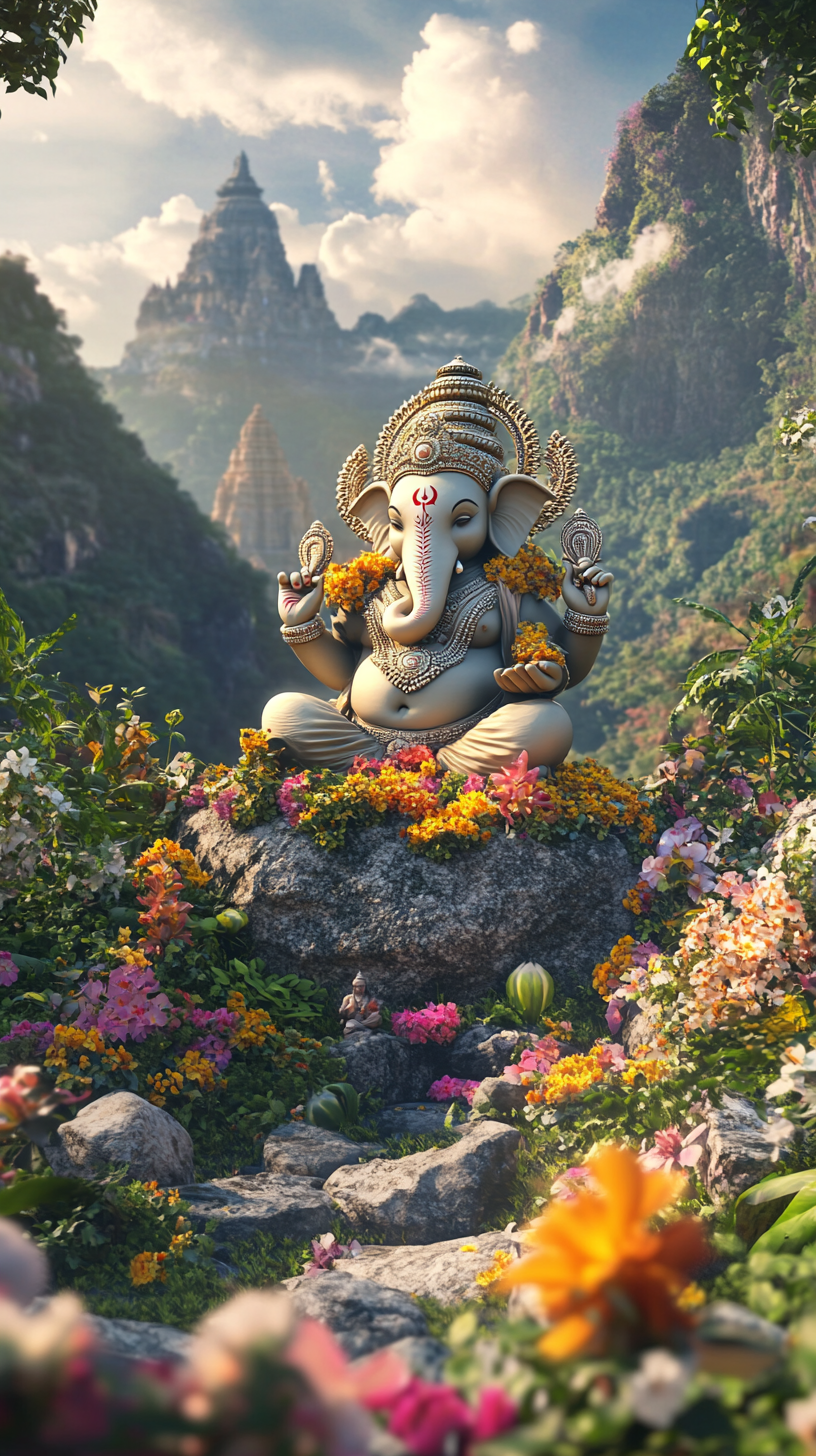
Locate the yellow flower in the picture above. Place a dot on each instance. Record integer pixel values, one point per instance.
(147, 1267)
(346, 586)
(532, 645)
(530, 571)
(501, 1261)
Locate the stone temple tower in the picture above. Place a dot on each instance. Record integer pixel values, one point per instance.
(262, 505)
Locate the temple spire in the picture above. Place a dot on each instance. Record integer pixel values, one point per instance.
(240, 182)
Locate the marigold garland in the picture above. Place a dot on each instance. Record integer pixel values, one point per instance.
(530, 572)
(532, 645)
(347, 585)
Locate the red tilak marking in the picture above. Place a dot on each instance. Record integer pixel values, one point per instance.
(425, 495)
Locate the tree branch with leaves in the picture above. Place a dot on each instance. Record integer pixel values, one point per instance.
(34, 40)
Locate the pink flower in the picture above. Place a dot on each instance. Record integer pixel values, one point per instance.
(222, 804)
(540, 1057)
(567, 1183)
(741, 787)
(474, 784)
(376, 1382)
(8, 970)
(808, 983)
(653, 871)
(611, 1056)
(448, 1087)
(614, 1019)
(42, 1029)
(290, 801)
(433, 1023)
(685, 831)
(769, 803)
(672, 1151)
(642, 954)
(515, 792)
(425, 1416)
(495, 1413)
(195, 798)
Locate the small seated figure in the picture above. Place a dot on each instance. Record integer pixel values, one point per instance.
(358, 1010)
(426, 657)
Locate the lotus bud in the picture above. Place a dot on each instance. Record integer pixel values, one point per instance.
(530, 990)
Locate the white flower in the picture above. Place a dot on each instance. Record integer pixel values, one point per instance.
(658, 1387)
(809, 521)
(776, 607)
(20, 763)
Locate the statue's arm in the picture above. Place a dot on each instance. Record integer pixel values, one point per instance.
(327, 658)
(581, 650)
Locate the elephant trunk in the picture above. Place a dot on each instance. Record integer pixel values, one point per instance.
(428, 574)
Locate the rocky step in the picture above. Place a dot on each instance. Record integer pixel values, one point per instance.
(445, 1271)
(283, 1205)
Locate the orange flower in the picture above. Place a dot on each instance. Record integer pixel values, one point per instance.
(608, 1282)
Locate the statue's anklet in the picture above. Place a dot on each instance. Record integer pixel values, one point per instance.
(583, 625)
(304, 632)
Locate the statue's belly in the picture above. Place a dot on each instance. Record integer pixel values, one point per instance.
(454, 694)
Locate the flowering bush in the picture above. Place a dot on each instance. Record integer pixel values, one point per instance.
(433, 1023)
(446, 1088)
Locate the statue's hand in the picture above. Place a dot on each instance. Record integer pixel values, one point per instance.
(596, 576)
(530, 677)
(300, 597)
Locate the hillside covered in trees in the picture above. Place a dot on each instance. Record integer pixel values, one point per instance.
(90, 525)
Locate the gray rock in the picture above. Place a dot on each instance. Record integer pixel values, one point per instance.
(482, 1052)
(123, 1128)
(139, 1340)
(796, 839)
(503, 1098)
(441, 1270)
(410, 925)
(741, 1147)
(132, 1339)
(424, 1357)
(389, 1066)
(288, 1207)
(364, 1316)
(416, 1118)
(311, 1152)
(442, 1191)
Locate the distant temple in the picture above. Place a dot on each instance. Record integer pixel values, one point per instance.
(237, 290)
(262, 505)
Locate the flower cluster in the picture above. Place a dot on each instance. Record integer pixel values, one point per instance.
(127, 1002)
(732, 965)
(446, 1088)
(607, 974)
(82, 1058)
(433, 1023)
(502, 1260)
(167, 851)
(346, 586)
(532, 644)
(535, 1061)
(683, 854)
(530, 572)
(165, 916)
(586, 793)
(244, 795)
(519, 794)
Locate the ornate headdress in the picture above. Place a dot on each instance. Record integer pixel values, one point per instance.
(451, 425)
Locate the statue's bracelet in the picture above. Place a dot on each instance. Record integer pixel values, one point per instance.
(304, 632)
(583, 625)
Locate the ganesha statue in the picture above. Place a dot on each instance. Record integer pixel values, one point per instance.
(444, 632)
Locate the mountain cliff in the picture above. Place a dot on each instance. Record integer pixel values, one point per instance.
(659, 342)
(89, 524)
(237, 330)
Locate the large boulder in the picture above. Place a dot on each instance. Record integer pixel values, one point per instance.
(311, 1152)
(446, 1270)
(364, 1316)
(413, 926)
(427, 1196)
(481, 1052)
(288, 1207)
(394, 1069)
(741, 1148)
(123, 1128)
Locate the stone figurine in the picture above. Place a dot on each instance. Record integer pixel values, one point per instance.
(427, 658)
(358, 1010)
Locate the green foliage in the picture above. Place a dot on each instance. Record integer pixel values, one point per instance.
(337, 1107)
(762, 696)
(32, 36)
(167, 603)
(740, 46)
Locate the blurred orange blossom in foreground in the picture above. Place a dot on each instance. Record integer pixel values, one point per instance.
(607, 1281)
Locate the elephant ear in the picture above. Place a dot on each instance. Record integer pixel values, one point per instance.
(371, 507)
(515, 502)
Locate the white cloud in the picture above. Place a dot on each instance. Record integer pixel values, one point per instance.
(198, 69)
(300, 239)
(616, 276)
(95, 282)
(523, 37)
(325, 177)
(483, 206)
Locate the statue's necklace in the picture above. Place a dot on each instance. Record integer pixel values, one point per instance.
(412, 668)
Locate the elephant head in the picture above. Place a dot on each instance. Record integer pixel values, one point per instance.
(429, 522)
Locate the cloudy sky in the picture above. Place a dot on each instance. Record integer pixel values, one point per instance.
(404, 149)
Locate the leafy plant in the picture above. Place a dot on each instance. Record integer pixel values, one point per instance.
(32, 36)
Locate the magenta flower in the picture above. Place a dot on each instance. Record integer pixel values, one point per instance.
(434, 1023)
(474, 784)
(614, 1019)
(741, 787)
(8, 970)
(673, 1152)
(42, 1029)
(223, 803)
(195, 798)
(427, 1417)
(447, 1087)
(495, 1413)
